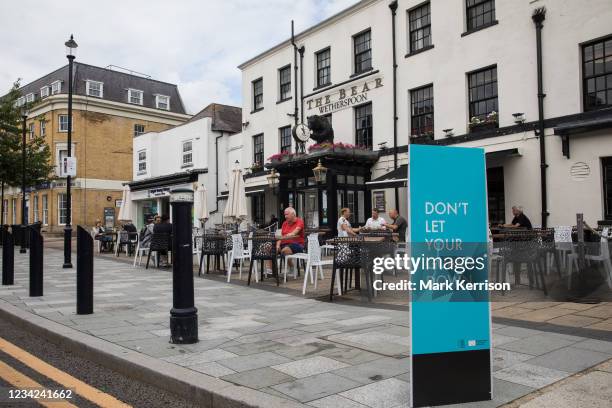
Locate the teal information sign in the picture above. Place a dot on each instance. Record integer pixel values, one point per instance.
(450, 311)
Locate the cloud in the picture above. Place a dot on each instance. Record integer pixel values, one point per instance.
(195, 44)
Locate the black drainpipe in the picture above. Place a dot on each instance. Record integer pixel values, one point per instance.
(538, 17)
(393, 7)
(301, 51)
(295, 76)
(217, 173)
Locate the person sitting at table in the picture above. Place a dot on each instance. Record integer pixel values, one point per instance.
(344, 226)
(375, 222)
(291, 240)
(164, 226)
(145, 233)
(520, 220)
(399, 224)
(132, 234)
(99, 234)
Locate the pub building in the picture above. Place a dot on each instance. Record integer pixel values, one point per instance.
(387, 74)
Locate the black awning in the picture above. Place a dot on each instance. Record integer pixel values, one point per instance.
(167, 180)
(585, 125)
(502, 154)
(395, 178)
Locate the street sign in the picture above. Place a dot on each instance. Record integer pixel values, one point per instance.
(68, 167)
(450, 325)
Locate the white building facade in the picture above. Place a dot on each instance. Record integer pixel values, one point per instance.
(198, 152)
(460, 73)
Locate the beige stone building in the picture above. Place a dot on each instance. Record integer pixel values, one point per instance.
(110, 108)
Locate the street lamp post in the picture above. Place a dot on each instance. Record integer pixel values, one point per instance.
(71, 46)
(24, 117)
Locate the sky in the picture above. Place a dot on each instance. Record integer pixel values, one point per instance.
(194, 44)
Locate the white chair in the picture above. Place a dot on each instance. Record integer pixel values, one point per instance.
(238, 253)
(97, 242)
(297, 258)
(315, 261)
(603, 256)
(563, 242)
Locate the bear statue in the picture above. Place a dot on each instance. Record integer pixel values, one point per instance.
(321, 129)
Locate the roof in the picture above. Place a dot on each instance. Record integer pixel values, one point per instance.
(397, 177)
(225, 118)
(116, 84)
(355, 7)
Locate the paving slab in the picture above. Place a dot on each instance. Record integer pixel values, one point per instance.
(315, 387)
(396, 392)
(570, 359)
(259, 378)
(309, 366)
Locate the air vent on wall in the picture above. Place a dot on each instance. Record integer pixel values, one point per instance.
(580, 171)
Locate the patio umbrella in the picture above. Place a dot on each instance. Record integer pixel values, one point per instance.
(201, 206)
(125, 211)
(235, 208)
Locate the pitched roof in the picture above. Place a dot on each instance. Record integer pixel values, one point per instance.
(116, 84)
(225, 118)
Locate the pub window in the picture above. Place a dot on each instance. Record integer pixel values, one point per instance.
(479, 13)
(363, 52)
(258, 208)
(363, 125)
(285, 139)
(258, 94)
(324, 67)
(187, 153)
(258, 149)
(284, 86)
(419, 22)
(421, 111)
(482, 86)
(597, 74)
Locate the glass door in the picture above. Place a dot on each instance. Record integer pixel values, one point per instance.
(311, 210)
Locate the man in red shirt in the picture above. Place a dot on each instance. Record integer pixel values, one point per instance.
(292, 239)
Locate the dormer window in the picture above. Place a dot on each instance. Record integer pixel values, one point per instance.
(29, 98)
(44, 91)
(56, 87)
(162, 102)
(94, 88)
(20, 101)
(135, 96)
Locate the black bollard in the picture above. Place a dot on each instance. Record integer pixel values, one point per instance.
(184, 315)
(8, 258)
(84, 271)
(36, 262)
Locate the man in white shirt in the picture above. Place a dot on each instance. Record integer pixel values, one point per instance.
(375, 222)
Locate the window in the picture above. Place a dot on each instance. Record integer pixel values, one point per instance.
(61, 154)
(32, 129)
(63, 123)
(285, 139)
(44, 91)
(5, 211)
(43, 127)
(187, 153)
(258, 149)
(135, 96)
(29, 98)
(45, 210)
(284, 78)
(258, 208)
(363, 52)
(142, 161)
(421, 111)
(479, 13)
(20, 101)
(14, 210)
(363, 125)
(419, 23)
(483, 93)
(56, 87)
(258, 94)
(162, 102)
(138, 129)
(324, 67)
(597, 74)
(62, 211)
(94, 88)
(35, 210)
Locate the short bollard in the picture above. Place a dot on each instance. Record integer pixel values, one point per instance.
(36, 262)
(8, 259)
(184, 315)
(84, 271)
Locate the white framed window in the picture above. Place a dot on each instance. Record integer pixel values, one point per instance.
(43, 127)
(61, 154)
(142, 162)
(14, 210)
(187, 153)
(45, 210)
(35, 217)
(63, 123)
(94, 88)
(31, 129)
(5, 211)
(20, 101)
(44, 91)
(135, 96)
(162, 102)
(62, 211)
(56, 87)
(138, 129)
(29, 98)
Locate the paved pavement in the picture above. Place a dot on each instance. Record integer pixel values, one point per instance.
(312, 352)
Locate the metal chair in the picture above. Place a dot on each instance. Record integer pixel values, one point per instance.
(264, 249)
(524, 247)
(160, 241)
(347, 258)
(212, 245)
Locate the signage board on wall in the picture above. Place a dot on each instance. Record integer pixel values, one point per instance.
(339, 98)
(450, 321)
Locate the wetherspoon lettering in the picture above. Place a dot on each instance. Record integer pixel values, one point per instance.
(343, 98)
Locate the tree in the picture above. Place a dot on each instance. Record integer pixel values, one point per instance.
(38, 155)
